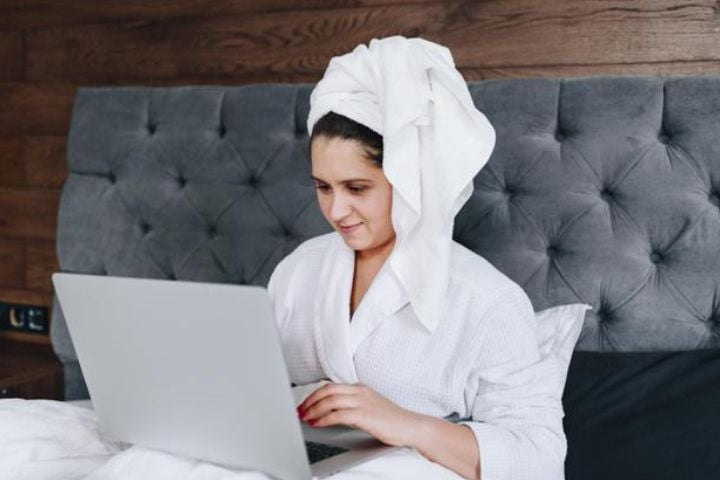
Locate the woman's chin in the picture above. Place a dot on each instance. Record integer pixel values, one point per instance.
(355, 242)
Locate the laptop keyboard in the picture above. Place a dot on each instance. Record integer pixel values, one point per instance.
(321, 451)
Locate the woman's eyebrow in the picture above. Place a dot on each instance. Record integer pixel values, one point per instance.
(350, 180)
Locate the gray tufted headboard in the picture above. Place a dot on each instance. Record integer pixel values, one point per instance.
(600, 190)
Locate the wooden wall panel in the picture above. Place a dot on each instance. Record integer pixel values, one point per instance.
(35, 108)
(45, 160)
(49, 48)
(28, 212)
(12, 263)
(12, 159)
(228, 46)
(33, 160)
(43, 13)
(11, 56)
(504, 34)
(41, 264)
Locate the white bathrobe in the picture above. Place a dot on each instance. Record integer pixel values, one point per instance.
(482, 361)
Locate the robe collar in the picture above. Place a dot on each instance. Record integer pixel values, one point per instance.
(335, 335)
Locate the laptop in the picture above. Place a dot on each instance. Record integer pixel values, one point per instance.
(197, 370)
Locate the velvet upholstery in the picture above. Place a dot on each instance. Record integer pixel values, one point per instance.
(600, 190)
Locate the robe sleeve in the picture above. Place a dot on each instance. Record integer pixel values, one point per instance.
(516, 408)
(277, 291)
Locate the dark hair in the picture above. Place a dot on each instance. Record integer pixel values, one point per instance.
(334, 125)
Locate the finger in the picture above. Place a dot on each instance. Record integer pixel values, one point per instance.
(329, 404)
(324, 391)
(346, 417)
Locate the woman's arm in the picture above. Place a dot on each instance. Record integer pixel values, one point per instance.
(452, 446)
(515, 398)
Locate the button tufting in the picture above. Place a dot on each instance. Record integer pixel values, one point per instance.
(509, 191)
(663, 137)
(171, 276)
(656, 257)
(560, 134)
(606, 195)
(212, 231)
(111, 177)
(145, 227)
(253, 181)
(181, 181)
(604, 316)
(714, 199)
(551, 251)
(221, 131)
(151, 128)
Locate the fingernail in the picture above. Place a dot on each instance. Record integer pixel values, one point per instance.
(312, 422)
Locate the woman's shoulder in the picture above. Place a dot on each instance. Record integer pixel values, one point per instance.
(476, 276)
(303, 262)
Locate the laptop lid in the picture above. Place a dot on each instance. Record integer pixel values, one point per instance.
(165, 364)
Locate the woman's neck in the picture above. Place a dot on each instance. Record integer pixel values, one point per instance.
(376, 255)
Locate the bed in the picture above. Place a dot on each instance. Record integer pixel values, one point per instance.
(600, 190)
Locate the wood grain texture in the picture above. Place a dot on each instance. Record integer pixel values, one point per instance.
(43, 13)
(33, 160)
(26, 297)
(29, 371)
(28, 212)
(617, 69)
(41, 263)
(25, 338)
(45, 160)
(12, 159)
(12, 263)
(36, 108)
(11, 56)
(504, 34)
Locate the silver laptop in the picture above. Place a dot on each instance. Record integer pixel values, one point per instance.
(196, 369)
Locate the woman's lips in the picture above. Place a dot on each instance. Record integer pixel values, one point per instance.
(350, 229)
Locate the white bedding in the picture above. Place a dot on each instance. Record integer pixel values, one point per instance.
(52, 440)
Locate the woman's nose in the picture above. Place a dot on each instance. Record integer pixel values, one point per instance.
(339, 208)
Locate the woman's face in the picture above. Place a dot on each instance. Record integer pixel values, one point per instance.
(353, 193)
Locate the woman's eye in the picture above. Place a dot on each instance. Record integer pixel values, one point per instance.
(322, 188)
(357, 189)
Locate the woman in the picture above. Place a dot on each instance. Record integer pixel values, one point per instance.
(349, 311)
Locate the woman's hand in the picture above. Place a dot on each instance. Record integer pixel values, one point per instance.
(358, 406)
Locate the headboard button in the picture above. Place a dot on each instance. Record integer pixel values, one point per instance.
(656, 257)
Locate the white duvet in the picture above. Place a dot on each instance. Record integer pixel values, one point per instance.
(52, 440)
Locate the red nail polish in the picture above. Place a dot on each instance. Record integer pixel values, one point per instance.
(312, 422)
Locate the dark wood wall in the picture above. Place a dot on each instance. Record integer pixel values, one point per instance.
(50, 47)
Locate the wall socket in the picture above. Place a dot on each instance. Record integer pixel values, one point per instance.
(23, 318)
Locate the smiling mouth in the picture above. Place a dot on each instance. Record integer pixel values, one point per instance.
(349, 228)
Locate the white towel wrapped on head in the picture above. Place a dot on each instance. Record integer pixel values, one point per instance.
(434, 143)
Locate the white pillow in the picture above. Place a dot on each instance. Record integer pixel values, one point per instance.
(558, 331)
